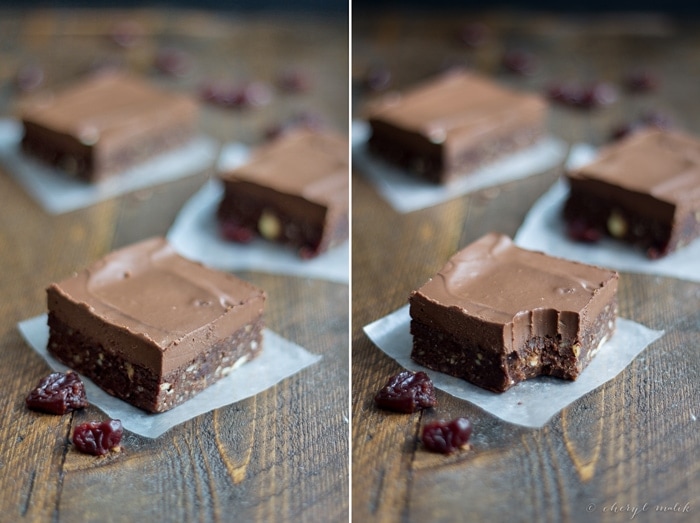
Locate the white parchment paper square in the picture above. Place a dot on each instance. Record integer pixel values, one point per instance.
(57, 193)
(544, 230)
(195, 235)
(530, 403)
(278, 360)
(407, 193)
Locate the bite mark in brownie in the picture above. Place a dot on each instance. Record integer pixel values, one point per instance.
(105, 124)
(453, 124)
(643, 190)
(153, 328)
(293, 191)
(497, 314)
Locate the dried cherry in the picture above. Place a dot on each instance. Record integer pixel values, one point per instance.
(407, 392)
(127, 33)
(235, 232)
(98, 437)
(581, 231)
(446, 436)
(58, 393)
(377, 78)
(474, 34)
(173, 62)
(294, 81)
(225, 94)
(595, 95)
(520, 62)
(29, 77)
(305, 119)
(641, 81)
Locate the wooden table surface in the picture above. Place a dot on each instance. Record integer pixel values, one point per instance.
(279, 456)
(633, 442)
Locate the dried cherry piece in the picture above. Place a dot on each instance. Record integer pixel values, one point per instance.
(407, 392)
(235, 232)
(225, 94)
(377, 78)
(565, 93)
(98, 437)
(173, 62)
(473, 34)
(581, 231)
(29, 77)
(305, 119)
(657, 119)
(641, 81)
(623, 130)
(253, 94)
(126, 33)
(58, 393)
(446, 436)
(653, 119)
(294, 81)
(598, 94)
(520, 62)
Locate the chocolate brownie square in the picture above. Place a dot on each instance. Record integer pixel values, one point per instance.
(105, 124)
(151, 327)
(643, 190)
(497, 314)
(294, 190)
(448, 126)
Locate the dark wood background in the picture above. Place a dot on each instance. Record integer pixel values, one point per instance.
(279, 456)
(633, 441)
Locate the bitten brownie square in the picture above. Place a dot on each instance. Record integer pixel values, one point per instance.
(153, 328)
(643, 190)
(105, 124)
(448, 126)
(294, 191)
(497, 314)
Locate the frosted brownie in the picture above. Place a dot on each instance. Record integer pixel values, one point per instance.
(497, 314)
(449, 126)
(106, 123)
(643, 190)
(151, 327)
(293, 190)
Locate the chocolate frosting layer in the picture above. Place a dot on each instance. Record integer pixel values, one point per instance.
(109, 107)
(662, 164)
(310, 164)
(174, 307)
(527, 293)
(457, 109)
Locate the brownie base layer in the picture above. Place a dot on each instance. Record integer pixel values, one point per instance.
(498, 370)
(140, 386)
(654, 237)
(84, 162)
(274, 223)
(426, 160)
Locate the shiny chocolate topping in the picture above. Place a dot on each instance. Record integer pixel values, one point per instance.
(457, 108)
(150, 291)
(663, 164)
(107, 106)
(535, 294)
(311, 164)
